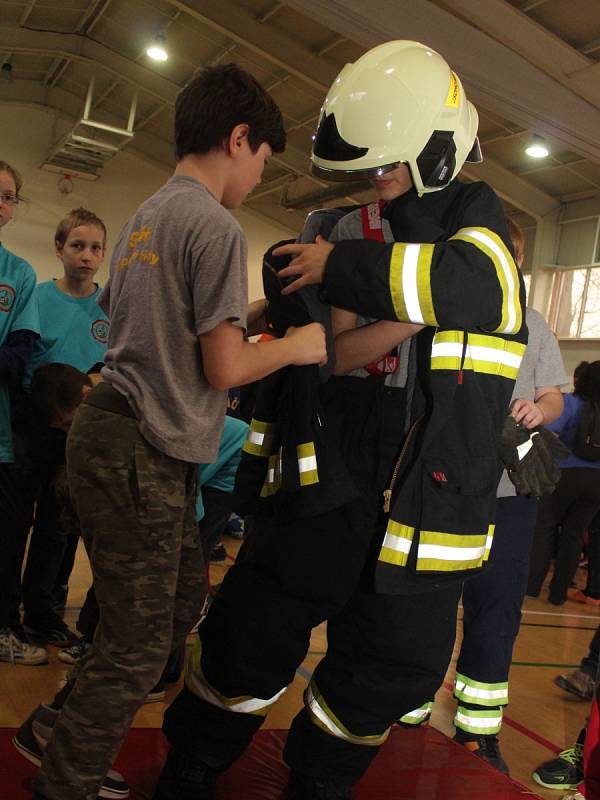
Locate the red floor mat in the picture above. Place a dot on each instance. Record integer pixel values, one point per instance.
(414, 765)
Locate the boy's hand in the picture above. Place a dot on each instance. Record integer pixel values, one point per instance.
(309, 343)
(527, 413)
(308, 263)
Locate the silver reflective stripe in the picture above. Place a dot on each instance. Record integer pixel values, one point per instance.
(319, 710)
(409, 282)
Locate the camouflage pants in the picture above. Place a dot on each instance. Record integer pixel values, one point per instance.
(136, 508)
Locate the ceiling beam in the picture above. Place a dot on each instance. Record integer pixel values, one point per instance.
(496, 77)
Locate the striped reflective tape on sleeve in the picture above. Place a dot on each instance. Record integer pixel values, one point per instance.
(198, 685)
(478, 693)
(323, 717)
(259, 439)
(489, 541)
(396, 544)
(507, 272)
(418, 716)
(307, 464)
(449, 552)
(483, 723)
(484, 354)
(272, 482)
(410, 283)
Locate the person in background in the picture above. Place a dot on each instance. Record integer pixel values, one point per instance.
(19, 330)
(574, 503)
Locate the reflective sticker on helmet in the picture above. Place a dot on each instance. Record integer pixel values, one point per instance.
(453, 99)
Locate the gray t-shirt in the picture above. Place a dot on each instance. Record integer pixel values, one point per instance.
(178, 270)
(542, 365)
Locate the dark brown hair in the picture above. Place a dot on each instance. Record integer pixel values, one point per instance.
(75, 218)
(517, 238)
(587, 380)
(56, 389)
(217, 99)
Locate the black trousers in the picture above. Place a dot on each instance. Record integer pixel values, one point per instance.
(570, 509)
(387, 655)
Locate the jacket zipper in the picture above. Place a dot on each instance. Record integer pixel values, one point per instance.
(387, 493)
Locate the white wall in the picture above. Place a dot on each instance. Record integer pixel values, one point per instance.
(26, 136)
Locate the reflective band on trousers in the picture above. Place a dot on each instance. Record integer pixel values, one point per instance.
(506, 271)
(259, 439)
(479, 693)
(418, 716)
(198, 685)
(396, 543)
(410, 283)
(484, 723)
(486, 354)
(322, 716)
(307, 464)
(447, 552)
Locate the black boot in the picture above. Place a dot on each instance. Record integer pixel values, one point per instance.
(185, 778)
(305, 787)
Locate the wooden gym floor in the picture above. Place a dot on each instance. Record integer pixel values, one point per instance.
(540, 720)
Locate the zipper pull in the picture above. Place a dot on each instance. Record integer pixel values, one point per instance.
(387, 499)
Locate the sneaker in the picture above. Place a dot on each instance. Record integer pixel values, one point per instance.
(235, 528)
(578, 683)
(218, 553)
(16, 651)
(32, 738)
(305, 787)
(563, 772)
(574, 796)
(54, 632)
(185, 778)
(71, 655)
(577, 596)
(487, 748)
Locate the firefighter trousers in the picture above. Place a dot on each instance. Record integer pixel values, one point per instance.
(386, 654)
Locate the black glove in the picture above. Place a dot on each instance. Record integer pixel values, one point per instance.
(529, 457)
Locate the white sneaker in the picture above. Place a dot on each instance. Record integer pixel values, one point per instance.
(16, 651)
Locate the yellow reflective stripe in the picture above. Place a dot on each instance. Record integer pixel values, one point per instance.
(447, 552)
(259, 438)
(410, 283)
(417, 716)
(272, 482)
(486, 354)
(489, 541)
(506, 270)
(396, 543)
(198, 685)
(484, 723)
(323, 717)
(307, 464)
(397, 293)
(479, 693)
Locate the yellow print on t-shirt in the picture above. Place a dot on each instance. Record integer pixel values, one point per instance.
(143, 256)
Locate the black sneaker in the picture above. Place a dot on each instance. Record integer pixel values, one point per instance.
(305, 787)
(218, 553)
(487, 748)
(563, 772)
(185, 778)
(71, 655)
(32, 738)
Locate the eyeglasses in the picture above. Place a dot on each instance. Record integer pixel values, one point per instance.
(9, 199)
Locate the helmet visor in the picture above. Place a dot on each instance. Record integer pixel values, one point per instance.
(351, 174)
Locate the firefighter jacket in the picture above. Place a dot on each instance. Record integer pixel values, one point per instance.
(443, 260)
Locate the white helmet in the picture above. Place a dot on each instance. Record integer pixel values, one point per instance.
(400, 103)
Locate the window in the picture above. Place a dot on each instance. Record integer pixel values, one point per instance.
(575, 303)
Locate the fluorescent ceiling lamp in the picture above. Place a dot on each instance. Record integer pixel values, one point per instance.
(157, 50)
(537, 147)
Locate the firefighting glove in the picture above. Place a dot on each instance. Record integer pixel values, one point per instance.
(529, 457)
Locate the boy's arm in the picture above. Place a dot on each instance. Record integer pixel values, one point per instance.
(228, 360)
(357, 347)
(545, 408)
(15, 355)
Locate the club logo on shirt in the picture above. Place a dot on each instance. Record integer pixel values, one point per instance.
(99, 330)
(7, 297)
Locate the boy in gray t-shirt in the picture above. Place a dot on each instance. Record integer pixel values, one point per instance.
(177, 300)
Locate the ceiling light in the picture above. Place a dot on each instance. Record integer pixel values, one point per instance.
(537, 147)
(157, 49)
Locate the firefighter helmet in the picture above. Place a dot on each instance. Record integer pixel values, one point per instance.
(400, 103)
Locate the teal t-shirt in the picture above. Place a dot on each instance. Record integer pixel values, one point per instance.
(221, 474)
(74, 330)
(18, 312)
